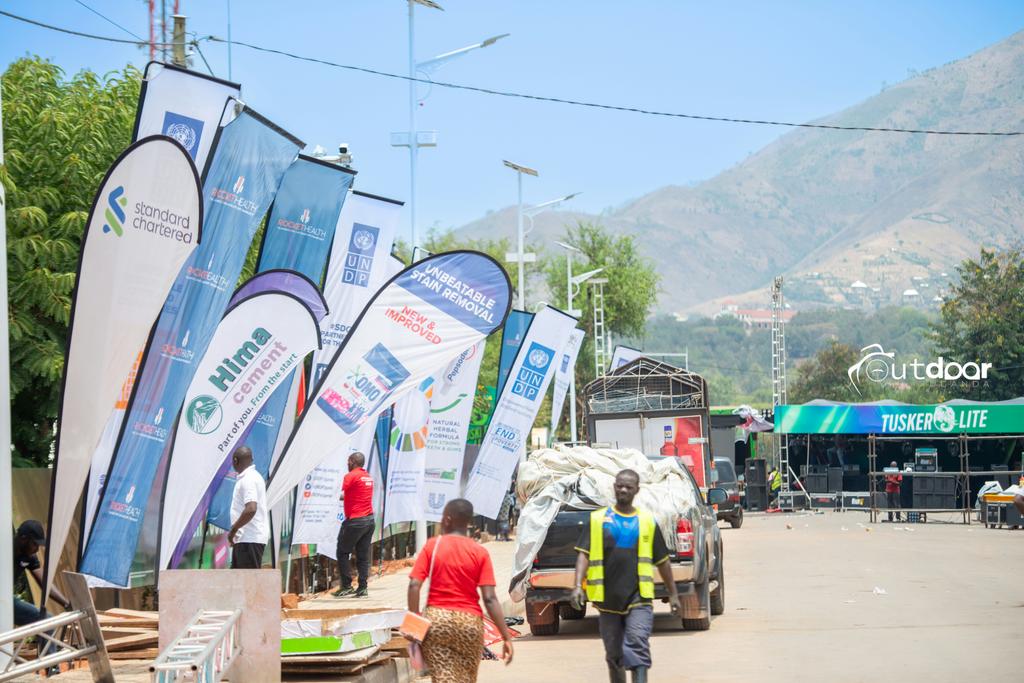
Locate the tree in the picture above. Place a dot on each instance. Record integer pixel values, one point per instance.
(628, 296)
(60, 136)
(983, 322)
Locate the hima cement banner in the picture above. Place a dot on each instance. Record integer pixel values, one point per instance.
(623, 355)
(358, 268)
(512, 336)
(257, 346)
(244, 174)
(517, 409)
(953, 417)
(187, 106)
(285, 282)
(563, 377)
(184, 105)
(298, 238)
(410, 428)
(451, 405)
(422, 319)
(145, 222)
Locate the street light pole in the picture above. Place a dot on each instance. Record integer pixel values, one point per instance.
(572, 373)
(519, 243)
(413, 146)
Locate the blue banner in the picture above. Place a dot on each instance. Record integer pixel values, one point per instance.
(511, 339)
(244, 174)
(298, 237)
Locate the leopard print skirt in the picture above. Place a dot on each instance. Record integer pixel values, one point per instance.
(453, 645)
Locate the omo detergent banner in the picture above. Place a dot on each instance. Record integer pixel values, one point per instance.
(954, 417)
(451, 406)
(360, 264)
(257, 346)
(245, 172)
(298, 237)
(421, 320)
(144, 224)
(506, 438)
(184, 105)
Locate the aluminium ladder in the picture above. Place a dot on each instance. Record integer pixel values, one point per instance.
(204, 651)
(779, 389)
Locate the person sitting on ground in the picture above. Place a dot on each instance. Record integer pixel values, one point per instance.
(457, 568)
(27, 540)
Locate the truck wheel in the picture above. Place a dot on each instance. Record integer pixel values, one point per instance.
(718, 595)
(699, 604)
(737, 520)
(543, 618)
(570, 613)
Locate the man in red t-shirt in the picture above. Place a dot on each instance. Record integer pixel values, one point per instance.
(357, 528)
(892, 492)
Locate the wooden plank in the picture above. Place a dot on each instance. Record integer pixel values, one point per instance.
(147, 654)
(136, 641)
(131, 613)
(119, 622)
(329, 613)
(121, 631)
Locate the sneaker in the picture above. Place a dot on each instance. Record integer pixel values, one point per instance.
(344, 592)
(362, 593)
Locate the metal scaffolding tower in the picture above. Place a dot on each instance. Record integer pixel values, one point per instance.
(779, 387)
(601, 341)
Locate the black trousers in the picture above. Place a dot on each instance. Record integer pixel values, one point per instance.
(247, 555)
(892, 501)
(355, 535)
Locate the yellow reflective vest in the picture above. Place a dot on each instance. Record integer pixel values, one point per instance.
(645, 555)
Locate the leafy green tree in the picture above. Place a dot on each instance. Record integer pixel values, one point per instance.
(983, 321)
(60, 136)
(825, 376)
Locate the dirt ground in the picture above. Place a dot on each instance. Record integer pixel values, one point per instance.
(828, 597)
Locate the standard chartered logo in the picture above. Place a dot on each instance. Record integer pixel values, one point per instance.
(204, 414)
(116, 201)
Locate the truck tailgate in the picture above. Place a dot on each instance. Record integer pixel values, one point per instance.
(559, 549)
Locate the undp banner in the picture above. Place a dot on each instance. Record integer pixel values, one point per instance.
(451, 406)
(359, 266)
(422, 319)
(144, 223)
(517, 409)
(298, 238)
(623, 355)
(563, 377)
(257, 346)
(184, 105)
(511, 339)
(244, 174)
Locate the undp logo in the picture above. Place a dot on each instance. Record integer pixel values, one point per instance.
(364, 240)
(531, 375)
(204, 414)
(185, 129)
(116, 201)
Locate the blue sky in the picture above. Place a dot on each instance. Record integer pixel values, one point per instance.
(782, 60)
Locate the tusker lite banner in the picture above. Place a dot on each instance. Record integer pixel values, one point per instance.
(244, 175)
(145, 222)
(419, 321)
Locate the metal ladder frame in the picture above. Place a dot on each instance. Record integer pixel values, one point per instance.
(781, 441)
(204, 650)
(73, 635)
(601, 350)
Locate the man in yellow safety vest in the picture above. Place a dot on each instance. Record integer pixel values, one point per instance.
(618, 554)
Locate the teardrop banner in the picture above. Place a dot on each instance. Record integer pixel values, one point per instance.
(245, 171)
(257, 346)
(422, 319)
(144, 224)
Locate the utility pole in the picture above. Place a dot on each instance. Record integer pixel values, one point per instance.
(6, 504)
(178, 49)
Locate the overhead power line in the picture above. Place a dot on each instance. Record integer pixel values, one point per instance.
(110, 21)
(541, 98)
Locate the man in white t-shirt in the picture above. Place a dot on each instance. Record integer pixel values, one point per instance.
(250, 529)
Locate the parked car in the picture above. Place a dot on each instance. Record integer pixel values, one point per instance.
(698, 566)
(732, 509)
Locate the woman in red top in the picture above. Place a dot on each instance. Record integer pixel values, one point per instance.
(458, 567)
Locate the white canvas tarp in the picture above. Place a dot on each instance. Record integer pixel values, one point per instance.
(582, 477)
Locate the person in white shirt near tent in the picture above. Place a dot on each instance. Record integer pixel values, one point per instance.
(250, 529)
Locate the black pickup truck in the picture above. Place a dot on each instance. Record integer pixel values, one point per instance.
(698, 567)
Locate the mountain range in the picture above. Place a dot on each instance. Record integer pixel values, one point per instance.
(850, 218)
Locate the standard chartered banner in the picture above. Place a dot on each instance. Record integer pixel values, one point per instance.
(257, 346)
(297, 238)
(451, 405)
(319, 511)
(184, 105)
(359, 266)
(244, 174)
(563, 376)
(144, 223)
(517, 408)
(421, 320)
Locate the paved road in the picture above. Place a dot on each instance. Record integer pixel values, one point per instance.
(801, 606)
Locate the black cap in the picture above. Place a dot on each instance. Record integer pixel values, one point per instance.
(32, 529)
